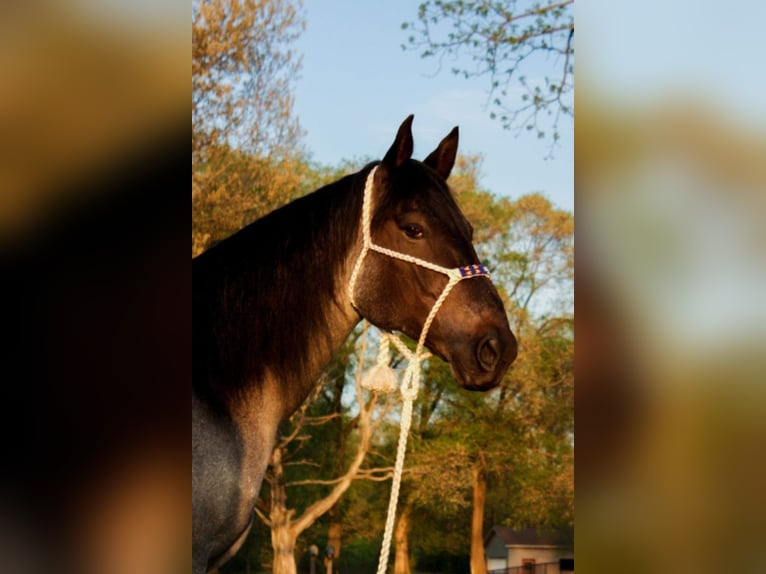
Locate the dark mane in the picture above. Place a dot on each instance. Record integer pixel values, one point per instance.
(252, 284)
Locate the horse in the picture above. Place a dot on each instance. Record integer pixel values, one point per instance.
(274, 301)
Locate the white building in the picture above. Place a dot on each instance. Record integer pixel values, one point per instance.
(529, 550)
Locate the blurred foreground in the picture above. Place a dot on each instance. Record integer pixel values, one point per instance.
(82, 84)
(95, 288)
(671, 337)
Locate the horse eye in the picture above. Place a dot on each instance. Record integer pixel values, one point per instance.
(413, 231)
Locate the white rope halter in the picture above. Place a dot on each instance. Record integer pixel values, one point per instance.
(381, 377)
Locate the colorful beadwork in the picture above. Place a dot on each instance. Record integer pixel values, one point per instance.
(472, 270)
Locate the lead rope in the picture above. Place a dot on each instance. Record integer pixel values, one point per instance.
(381, 377)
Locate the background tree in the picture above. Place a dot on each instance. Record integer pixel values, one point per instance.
(245, 138)
(507, 41)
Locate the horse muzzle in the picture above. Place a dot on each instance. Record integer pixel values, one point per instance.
(480, 365)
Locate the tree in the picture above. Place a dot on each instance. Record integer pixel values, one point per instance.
(242, 74)
(506, 41)
(286, 523)
(245, 138)
(235, 188)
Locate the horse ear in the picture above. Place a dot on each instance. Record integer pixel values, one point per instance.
(401, 150)
(442, 159)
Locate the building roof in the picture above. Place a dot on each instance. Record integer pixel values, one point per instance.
(531, 536)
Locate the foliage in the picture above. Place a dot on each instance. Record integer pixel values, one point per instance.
(245, 140)
(532, 261)
(506, 40)
(242, 74)
(233, 188)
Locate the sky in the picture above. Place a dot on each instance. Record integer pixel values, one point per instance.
(710, 52)
(357, 85)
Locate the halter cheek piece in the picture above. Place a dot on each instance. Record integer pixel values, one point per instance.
(455, 274)
(411, 382)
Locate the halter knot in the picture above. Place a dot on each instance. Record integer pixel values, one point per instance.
(411, 382)
(381, 377)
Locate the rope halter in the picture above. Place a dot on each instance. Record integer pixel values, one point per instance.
(454, 275)
(381, 377)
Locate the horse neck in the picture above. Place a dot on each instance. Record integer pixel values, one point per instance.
(287, 300)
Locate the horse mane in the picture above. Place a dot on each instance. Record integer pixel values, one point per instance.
(251, 290)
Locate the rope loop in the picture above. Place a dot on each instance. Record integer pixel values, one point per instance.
(411, 382)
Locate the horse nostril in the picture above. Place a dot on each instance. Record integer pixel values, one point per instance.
(488, 353)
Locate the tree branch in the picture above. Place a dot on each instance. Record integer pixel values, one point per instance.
(540, 10)
(264, 518)
(499, 42)
(373, 474)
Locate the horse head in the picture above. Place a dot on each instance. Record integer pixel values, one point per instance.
(420, 241)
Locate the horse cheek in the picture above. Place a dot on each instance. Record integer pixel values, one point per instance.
(378, 298)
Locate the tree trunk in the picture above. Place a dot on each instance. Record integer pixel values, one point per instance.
(283, 543)
(401, 537)
(282, 536)
(478, 563)
(334, 531)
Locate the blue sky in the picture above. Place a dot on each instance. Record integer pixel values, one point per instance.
(711, 52)
(357, 85)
